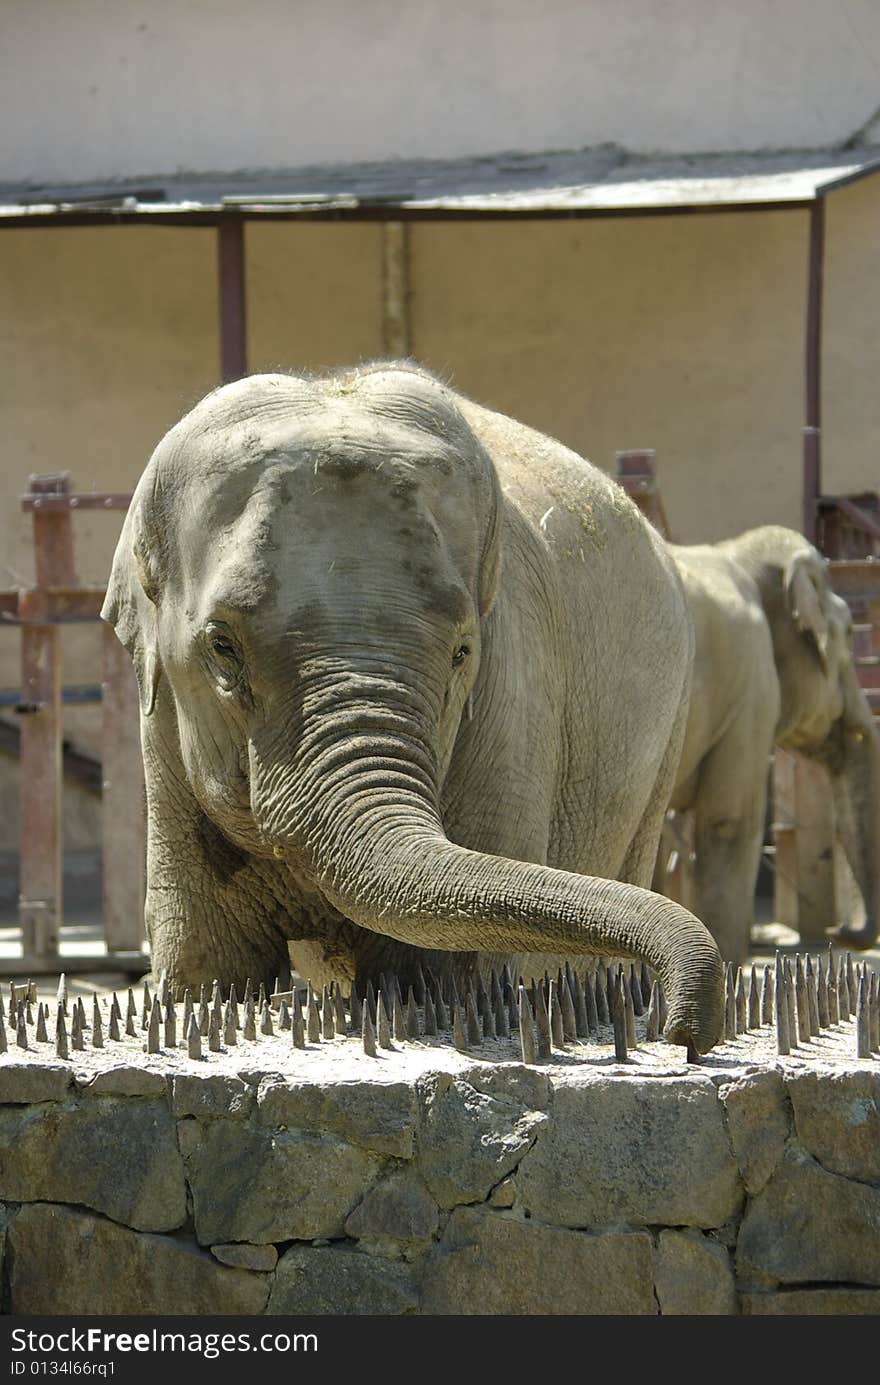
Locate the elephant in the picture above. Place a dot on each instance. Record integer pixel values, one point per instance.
(773, 667)
(413, 681)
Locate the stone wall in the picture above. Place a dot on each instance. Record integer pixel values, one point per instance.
(488, 1190)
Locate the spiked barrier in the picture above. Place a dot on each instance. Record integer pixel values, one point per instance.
(810, 1009)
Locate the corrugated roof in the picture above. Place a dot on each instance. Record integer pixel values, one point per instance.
(603, 180)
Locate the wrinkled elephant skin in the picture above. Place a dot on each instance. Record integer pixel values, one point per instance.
(412, 676)
(773, 666)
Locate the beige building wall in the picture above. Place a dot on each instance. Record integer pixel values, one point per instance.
(682, 333)
(96, 89)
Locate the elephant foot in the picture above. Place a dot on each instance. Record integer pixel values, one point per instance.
(857, 939)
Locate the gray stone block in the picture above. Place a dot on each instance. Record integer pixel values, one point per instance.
(399, 1207)
(244, 1257)
(812, 1303)
(488, 1263)
(378, 1116)
(28, 1083)
(63, 1261)
(810, 1226)
(469, 1140)
(837, 1118)
(124, 1080)
(213, 1096)
(252, 1184)
(118, 1156)
(759, 1121)
(693, 1275)
(339, 1280)
(642, 1151)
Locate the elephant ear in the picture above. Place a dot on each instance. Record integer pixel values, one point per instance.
(130, 603)
(805, 586)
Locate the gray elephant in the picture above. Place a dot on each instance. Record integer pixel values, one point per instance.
(412, 675)
(773, 666)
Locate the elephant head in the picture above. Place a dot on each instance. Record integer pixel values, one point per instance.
(824, 713)
(303, 582)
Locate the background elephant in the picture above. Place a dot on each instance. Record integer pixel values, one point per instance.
(411, 675)
(773, 666)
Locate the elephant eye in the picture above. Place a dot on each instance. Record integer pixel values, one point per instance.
(224, 649)
(224, 655)
(460, 655)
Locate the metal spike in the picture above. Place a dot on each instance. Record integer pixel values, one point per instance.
(646, 982)
(204, 1018)
(368, 1033)
(420, 987)
(844, 999)
(635, 989)
(370, 1001)
(283, 1015)
(187, 1011)
(618, 1019)
(557, 1031)
(339, 1015)
(62, 1048)
(383, 1028)
(767, 990)
(153, 1026)
(249, 1021)
(230, 1029)
(831, 988)
(822, 1009)
(146, 1005)
(398, 1022)
(502, 1016)
(130, 1014)
(193, 1038)
(113, 1027)
(852, 982)
(610, 987)
(97, 1028)
(4, 1042)
(61, 996)
(801, 1002)
(600, 996)
(629, 1013)
(411, 1016)
(874, 1012)
(76, 1034)
(566, 1006)
(248, 991)
(589, 993)
(297, 1030)
(812, 989)
(459, 1037)
(729, 1003)
(328, 1028)
(170, 1040)
(740, 1002)
(794, 1036)
(472, 1020)
(863, 1020)
(41, 1036)
(232, 1002)
(28, 1012)
(2, 1007)
(262, 998)
(313, 1019)
(579, 1001)
(163, 989)
(440, 1007)
(266, 1019)
(430, 1014)
(753, 1010)
(526, 1030)
(652, 1024)
(542, 1023)
(214, 1031)
(783, 1032)
(83, 1022)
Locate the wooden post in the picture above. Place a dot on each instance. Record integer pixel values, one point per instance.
(396, 333)
(40, 889)
(812, 467)
(122, 808)
(803, 833)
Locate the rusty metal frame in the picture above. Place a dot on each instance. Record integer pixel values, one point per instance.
(39, 612)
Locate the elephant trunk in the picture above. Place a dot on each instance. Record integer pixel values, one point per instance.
(357, 809)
